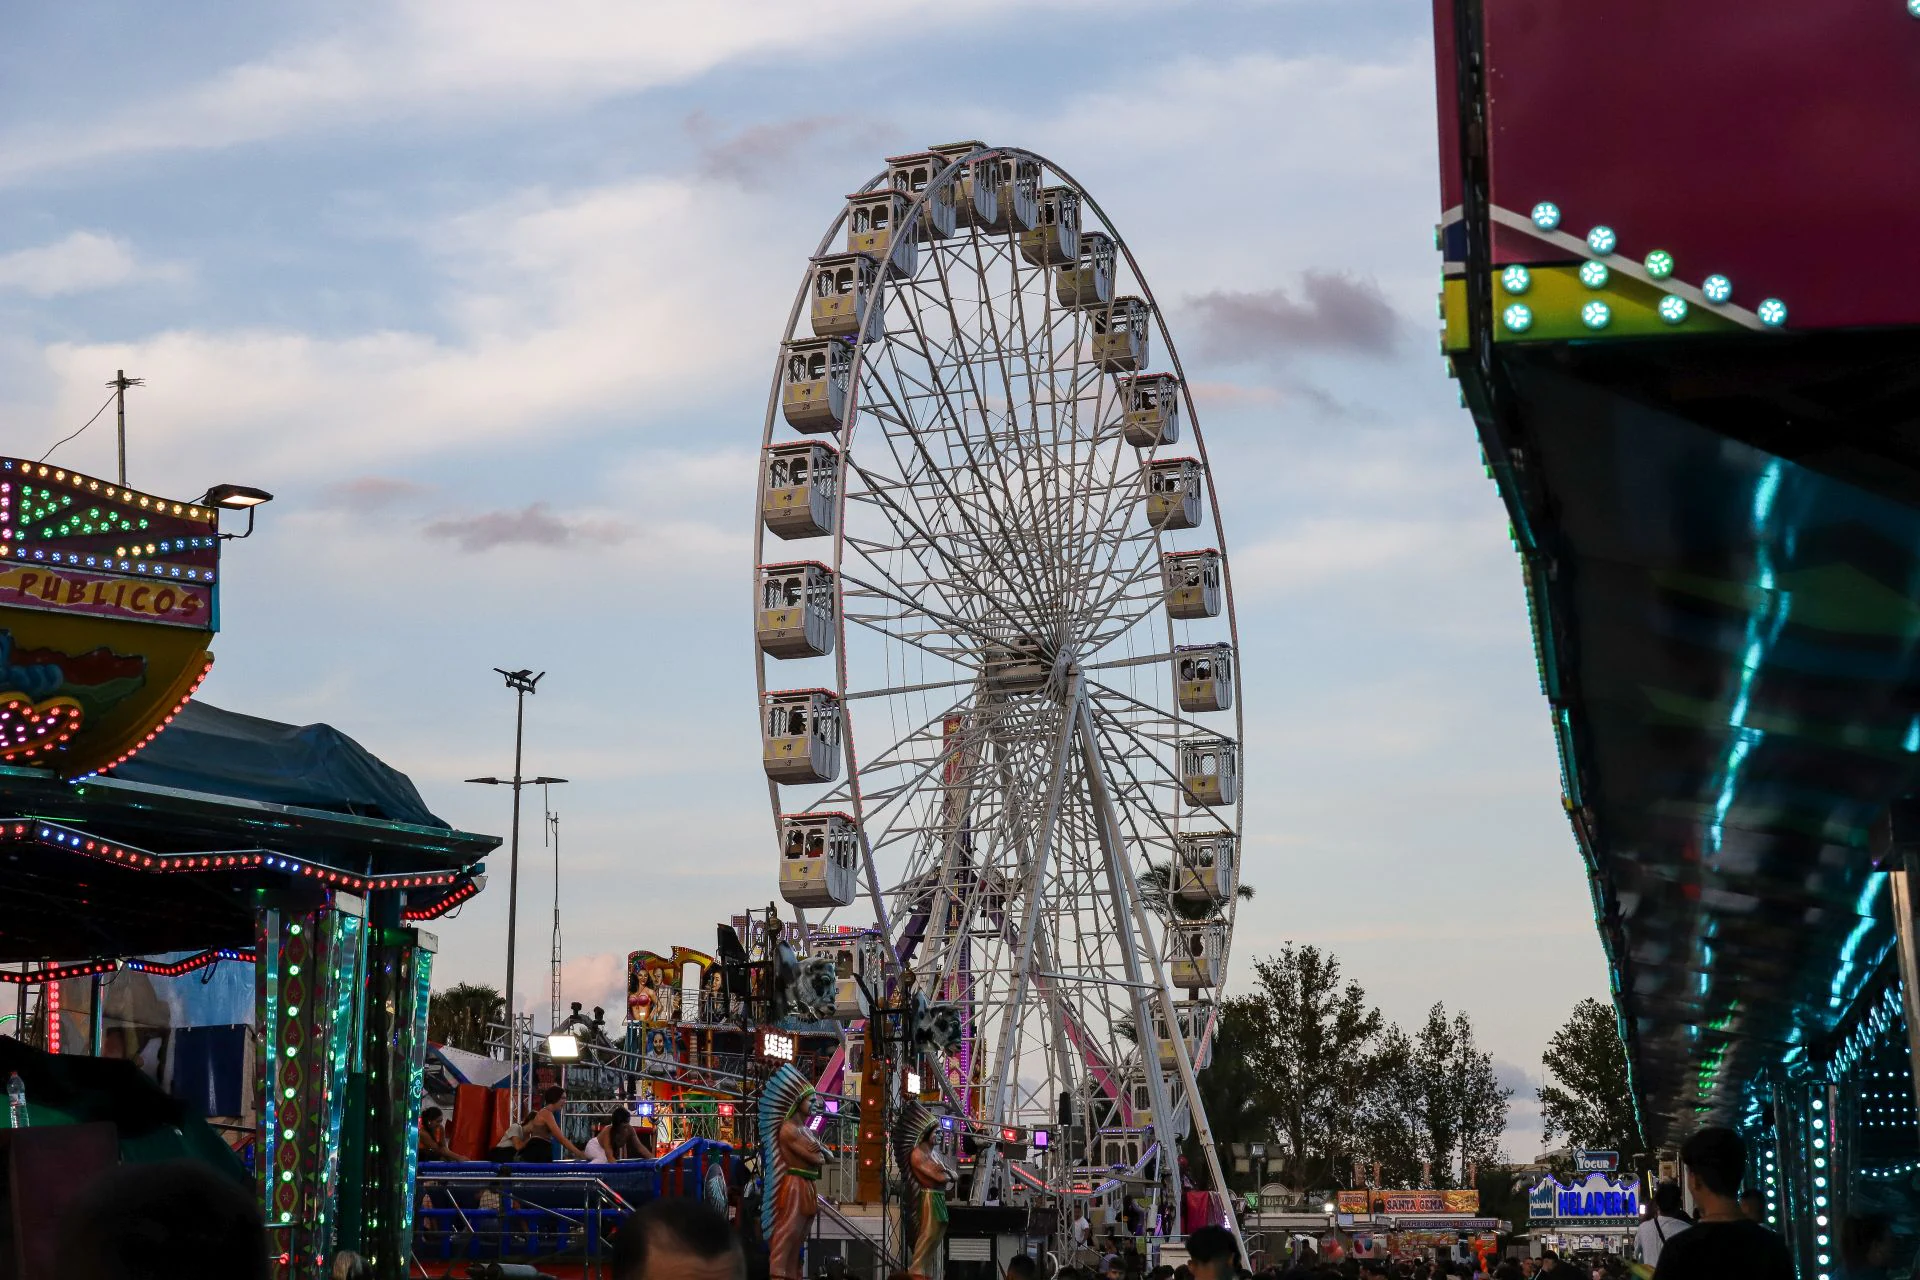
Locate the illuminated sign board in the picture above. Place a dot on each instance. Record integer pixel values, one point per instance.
(1596, 1162)
(108, 600)
(1408, 1202)
(1596, 1201)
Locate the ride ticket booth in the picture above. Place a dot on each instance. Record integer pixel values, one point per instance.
(1595, 1215)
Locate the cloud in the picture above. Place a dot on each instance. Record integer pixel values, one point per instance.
(372, 493)
(80, 262)
(556, 314)
(533, 526)
(1332, 311)
(757, 156)
(595, 980)
(438, 61)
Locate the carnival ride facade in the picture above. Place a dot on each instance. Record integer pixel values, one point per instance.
(1683, 305)
(148, 839)
(997, 665)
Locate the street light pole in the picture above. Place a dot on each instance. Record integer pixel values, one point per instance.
(522, 683)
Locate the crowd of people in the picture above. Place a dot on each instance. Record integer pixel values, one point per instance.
(180, 1220)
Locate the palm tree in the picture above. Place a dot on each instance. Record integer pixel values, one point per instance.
(459, 1015)
(1156, 886)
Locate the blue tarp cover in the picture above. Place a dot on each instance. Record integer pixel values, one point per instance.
(313, 766)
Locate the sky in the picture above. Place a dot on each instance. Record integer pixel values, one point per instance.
(488, 295)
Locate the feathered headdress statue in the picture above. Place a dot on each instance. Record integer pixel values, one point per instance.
(909, 1128)
(787, 1091)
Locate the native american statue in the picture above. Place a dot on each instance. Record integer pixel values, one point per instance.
(923, 1207)
(792, 1158)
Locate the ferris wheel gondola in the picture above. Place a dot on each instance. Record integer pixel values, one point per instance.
(1023, 726)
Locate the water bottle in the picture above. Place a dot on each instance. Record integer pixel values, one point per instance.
(16, 1101)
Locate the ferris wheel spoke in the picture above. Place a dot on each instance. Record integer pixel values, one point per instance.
(1007, 540)
(914, 535)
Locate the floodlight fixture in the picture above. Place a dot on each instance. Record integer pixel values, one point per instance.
(236, 497)
(563, 1048)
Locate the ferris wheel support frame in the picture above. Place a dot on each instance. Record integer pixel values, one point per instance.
(1125, 892)
(1182, 1059)
(1030, 924)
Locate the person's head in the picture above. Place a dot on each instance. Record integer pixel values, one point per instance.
(554, 1095)
(1666, 1199)
(1753, 1206)
(619, 1119)
(430, 1118)
(173, 1220)
(1161, 1272)
(1022, 1267)
(1110, 1265)
(677, 1240)
(1716, 1160)
(1211, 1253)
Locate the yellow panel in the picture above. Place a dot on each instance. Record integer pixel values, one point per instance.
(126, 678)
(1555, 299)
(1453, 310)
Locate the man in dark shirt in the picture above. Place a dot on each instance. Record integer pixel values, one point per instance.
(1723, 1241)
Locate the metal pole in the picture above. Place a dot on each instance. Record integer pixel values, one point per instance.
(553, 825)
(513, 872)
(97, 1018)
(120, 396)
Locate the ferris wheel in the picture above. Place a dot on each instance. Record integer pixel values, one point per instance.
(997, 656)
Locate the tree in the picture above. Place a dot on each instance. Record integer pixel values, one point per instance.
(459, 1015)
(1230, 1089)
(1435, 1102)
(1392, 1121)
(1591, 1099)
(1156, 887)
(1312, 1054)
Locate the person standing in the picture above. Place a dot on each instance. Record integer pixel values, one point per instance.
(1724, 1242)
(1667, 1221)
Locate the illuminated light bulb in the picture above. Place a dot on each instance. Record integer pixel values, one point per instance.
(1518, 318)
(1516, 279)
(1602, 239)
(1772, 313)
(1546, 215)
(1596, 315)
(1717, 289)
(1594, 275)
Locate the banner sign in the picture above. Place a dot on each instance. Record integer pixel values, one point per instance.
(1596, 1162)
(1406, 1202)
(100, 595)
(1598, 1201)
